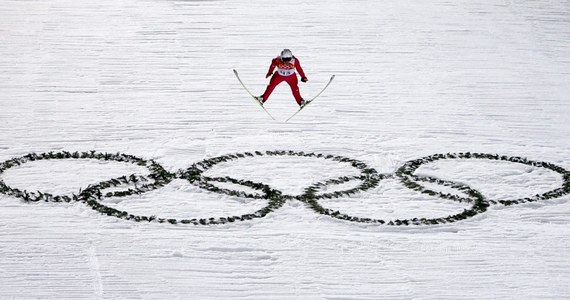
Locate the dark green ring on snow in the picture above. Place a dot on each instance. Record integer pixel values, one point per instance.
(406, 174)
(91, 195)
(479, 206)
(194, 174)
(158, 177)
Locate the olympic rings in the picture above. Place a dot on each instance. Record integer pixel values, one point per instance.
(368, 177)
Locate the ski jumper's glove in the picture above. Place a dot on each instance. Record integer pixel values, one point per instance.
(268, 75)
(304, 79)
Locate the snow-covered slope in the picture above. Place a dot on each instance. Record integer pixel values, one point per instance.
(154, 79)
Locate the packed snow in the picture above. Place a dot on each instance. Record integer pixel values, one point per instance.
(154, 79)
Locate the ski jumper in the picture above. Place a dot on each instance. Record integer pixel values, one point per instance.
(285, 72)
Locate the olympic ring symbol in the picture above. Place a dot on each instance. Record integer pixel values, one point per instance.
(368, 178)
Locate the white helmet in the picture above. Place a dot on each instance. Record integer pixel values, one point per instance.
(286, 54)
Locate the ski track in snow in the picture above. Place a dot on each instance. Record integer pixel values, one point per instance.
(154, 79)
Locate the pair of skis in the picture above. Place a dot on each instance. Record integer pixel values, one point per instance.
(307, 102)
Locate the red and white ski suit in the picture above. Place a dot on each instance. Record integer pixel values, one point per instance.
(285, 72)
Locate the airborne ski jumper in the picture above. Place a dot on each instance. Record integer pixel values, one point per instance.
(286, 65)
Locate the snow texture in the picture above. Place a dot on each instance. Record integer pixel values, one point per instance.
(153, 78)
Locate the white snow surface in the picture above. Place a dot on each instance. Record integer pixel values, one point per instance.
(413, 78)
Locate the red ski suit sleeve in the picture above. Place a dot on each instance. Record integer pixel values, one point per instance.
(271, 67)
(298, 68)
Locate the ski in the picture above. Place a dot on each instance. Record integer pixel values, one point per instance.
(312, 99)
(254, 98)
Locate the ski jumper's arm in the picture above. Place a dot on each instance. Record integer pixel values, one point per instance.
(271, 67)
(299, 69)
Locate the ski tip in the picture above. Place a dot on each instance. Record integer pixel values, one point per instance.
(235, 71)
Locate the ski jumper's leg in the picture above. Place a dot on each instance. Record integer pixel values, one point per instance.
(294, 84)
(275, 80)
